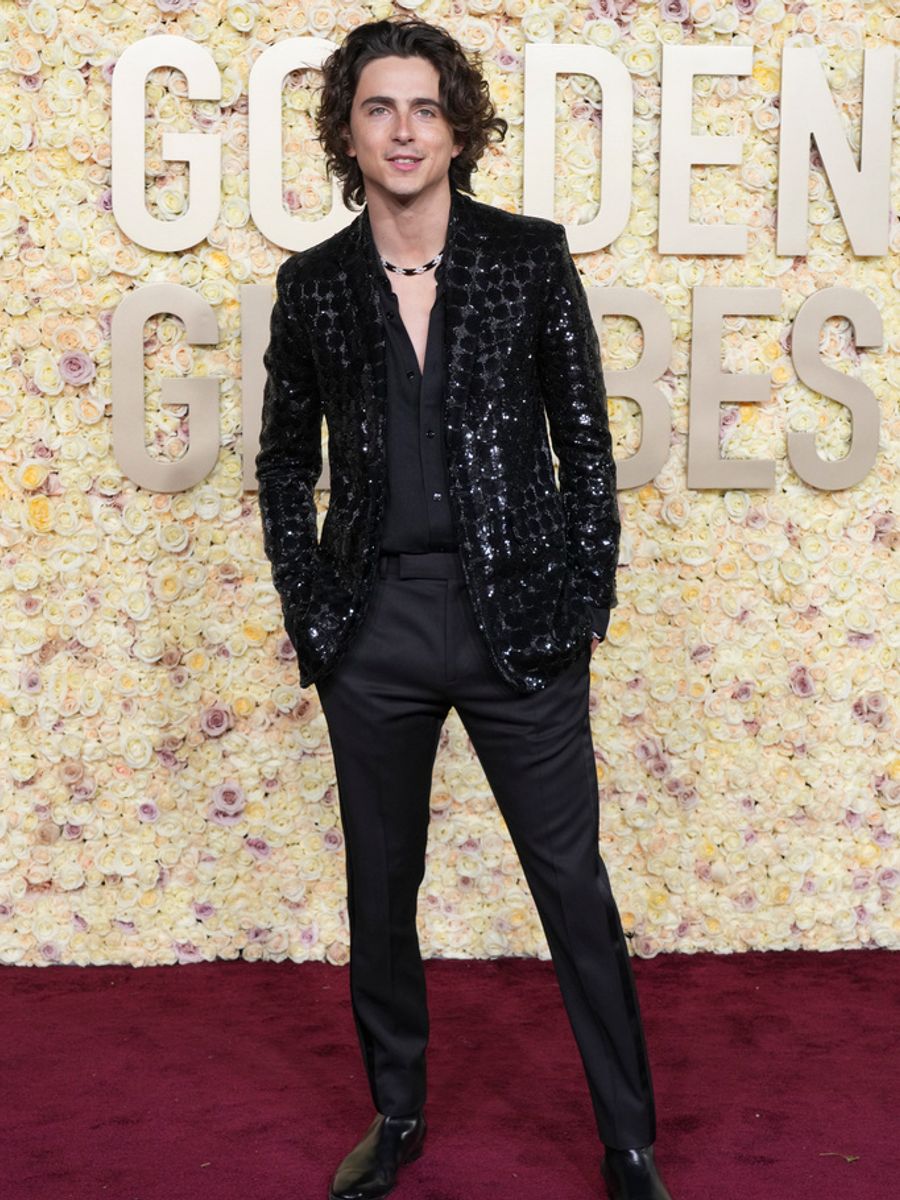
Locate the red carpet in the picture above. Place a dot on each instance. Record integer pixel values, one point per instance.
(776, 1078)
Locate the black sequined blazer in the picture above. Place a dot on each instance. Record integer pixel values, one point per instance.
(519, 342)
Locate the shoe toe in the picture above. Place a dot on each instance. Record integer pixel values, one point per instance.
(369, 1171)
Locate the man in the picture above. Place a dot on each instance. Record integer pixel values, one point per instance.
(434, 334)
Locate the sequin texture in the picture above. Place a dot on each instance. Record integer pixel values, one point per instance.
(521, 350)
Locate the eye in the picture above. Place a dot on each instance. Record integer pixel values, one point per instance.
(380, 108)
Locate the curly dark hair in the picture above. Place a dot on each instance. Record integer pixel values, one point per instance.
(464, 93)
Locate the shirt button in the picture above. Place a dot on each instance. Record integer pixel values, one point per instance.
(410, 374)
(436, 496)
(390, 316)
(429, 433)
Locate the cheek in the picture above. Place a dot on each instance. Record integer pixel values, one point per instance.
(441, 144)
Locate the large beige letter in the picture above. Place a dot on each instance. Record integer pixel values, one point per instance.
(807, 110)
(680, 149)
(542, 64)
(200, 395)
(269, 214)
(637, 382)
(710, 387)
(201, 150)
(863, 405)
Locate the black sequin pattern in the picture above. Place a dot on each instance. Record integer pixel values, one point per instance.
(521, 349)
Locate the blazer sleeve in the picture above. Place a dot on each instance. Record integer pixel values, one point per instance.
(574, 395)
(601, 622)
(289, 461)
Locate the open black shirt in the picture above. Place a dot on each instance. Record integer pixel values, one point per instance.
(417, 507)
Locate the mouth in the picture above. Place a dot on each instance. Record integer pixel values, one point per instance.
(404, 162)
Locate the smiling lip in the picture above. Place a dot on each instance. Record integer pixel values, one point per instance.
(404, 166)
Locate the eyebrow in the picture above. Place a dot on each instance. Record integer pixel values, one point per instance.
(390, 100)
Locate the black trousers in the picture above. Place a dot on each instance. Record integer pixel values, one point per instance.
(418, 653)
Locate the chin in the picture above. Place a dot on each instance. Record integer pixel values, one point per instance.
(405, 186)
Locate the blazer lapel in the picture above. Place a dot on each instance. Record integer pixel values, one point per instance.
(464, 277)
(364, 325)
(464, 271)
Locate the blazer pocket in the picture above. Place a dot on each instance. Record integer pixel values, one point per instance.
(503, 331)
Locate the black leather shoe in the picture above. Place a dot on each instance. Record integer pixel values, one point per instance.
(632, 1175)
(370, 1169)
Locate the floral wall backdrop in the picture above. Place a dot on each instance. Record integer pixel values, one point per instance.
(168, 793)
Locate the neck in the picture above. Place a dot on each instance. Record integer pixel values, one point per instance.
(410, 230)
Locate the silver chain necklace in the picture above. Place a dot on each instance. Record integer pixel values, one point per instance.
(433, 262)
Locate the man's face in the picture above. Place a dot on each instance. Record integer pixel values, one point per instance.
(396, 111)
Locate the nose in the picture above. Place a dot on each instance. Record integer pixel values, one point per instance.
(401, 129)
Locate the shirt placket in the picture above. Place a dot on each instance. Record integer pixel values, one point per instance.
(427, 419)
(430, 431)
